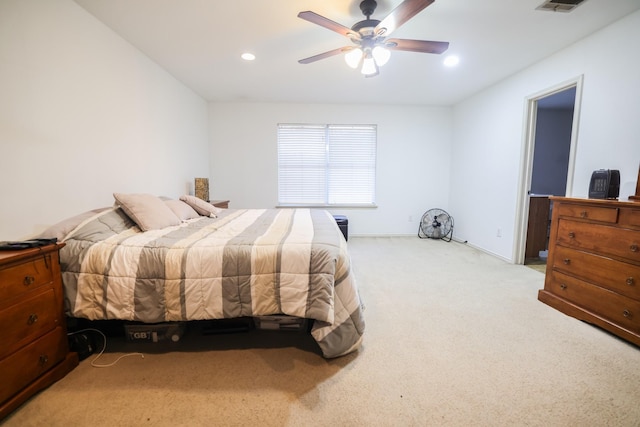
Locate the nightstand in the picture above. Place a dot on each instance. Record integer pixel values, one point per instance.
(224, 204)
(34, 350)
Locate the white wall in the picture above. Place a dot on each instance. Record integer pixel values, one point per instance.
(84, 114)
(488, 137)
(412, 165)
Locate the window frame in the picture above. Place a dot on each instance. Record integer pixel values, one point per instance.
(333, 137)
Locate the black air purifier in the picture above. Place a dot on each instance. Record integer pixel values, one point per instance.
(605, 184)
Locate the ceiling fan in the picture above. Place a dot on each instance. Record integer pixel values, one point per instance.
(371, 47)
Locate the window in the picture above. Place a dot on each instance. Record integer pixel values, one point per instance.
(326, 165)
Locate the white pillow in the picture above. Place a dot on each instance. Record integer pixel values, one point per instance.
(181, 209)
(146, 210)
(202, 207)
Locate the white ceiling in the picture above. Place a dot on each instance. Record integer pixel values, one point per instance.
(200, 43)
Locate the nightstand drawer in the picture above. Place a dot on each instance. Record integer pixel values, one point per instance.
(22, 278)
(22, 367)
(615, 275)
(616, 308)
(223, 204)
(27, 320)
(591, 213)
(602, 239)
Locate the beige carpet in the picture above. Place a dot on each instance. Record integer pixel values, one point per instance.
(537, 264)
(455, 337)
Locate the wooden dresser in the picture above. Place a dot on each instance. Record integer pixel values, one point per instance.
(593, 268)
(34, 350)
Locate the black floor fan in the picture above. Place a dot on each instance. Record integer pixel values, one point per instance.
(436, 224)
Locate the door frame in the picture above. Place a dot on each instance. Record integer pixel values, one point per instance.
(527, 152)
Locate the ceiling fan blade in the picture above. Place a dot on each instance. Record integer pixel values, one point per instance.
(401, 14)
(325, 55)
(423, 46)
(314, 18)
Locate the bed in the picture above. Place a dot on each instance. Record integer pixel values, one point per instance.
(141, 264)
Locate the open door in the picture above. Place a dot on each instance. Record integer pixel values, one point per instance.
(547, 165)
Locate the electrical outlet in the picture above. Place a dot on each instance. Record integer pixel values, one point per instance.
(410, 218)
(499, 232)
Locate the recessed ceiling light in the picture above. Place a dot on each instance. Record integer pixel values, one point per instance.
(451, 61)
(248, 56)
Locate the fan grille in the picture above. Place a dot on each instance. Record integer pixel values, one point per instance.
(436, 224)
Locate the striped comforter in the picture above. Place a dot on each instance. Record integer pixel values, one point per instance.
(252, 262)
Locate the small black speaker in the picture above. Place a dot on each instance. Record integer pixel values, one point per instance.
(605, 184)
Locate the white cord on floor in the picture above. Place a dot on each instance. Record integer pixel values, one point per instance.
(104, 346)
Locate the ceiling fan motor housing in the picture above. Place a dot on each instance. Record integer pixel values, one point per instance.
(370, 24)
(366, 27)
(368, 7)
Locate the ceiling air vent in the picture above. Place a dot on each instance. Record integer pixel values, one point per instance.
(560, 5)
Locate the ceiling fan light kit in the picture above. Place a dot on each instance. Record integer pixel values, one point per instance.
(368, 60)
(372, 48)
(353, 57)
(381, 55)
(369, 66)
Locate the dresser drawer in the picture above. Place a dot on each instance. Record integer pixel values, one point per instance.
(592, 213)
(22, 278)
(619, 242)
(630, 218)
(618, 309)
(27, 320)
(615, 275)
(22, 367)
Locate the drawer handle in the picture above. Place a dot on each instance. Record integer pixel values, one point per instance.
(43, 359)
(572, 234)
(626, 313)
(29, 280)
(634, 248)
(583, 214)
(33, 318)
(563, 286)
(630, 281)
(567, 261)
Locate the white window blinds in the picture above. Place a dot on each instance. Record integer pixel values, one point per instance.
(326, 164)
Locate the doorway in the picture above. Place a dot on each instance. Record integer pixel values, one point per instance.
(547, 166)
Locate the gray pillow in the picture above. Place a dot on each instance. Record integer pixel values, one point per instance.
(181, 209)
(202, 207)
(61, 229)
(146, 210)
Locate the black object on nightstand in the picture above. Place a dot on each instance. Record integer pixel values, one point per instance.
(343, 224)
